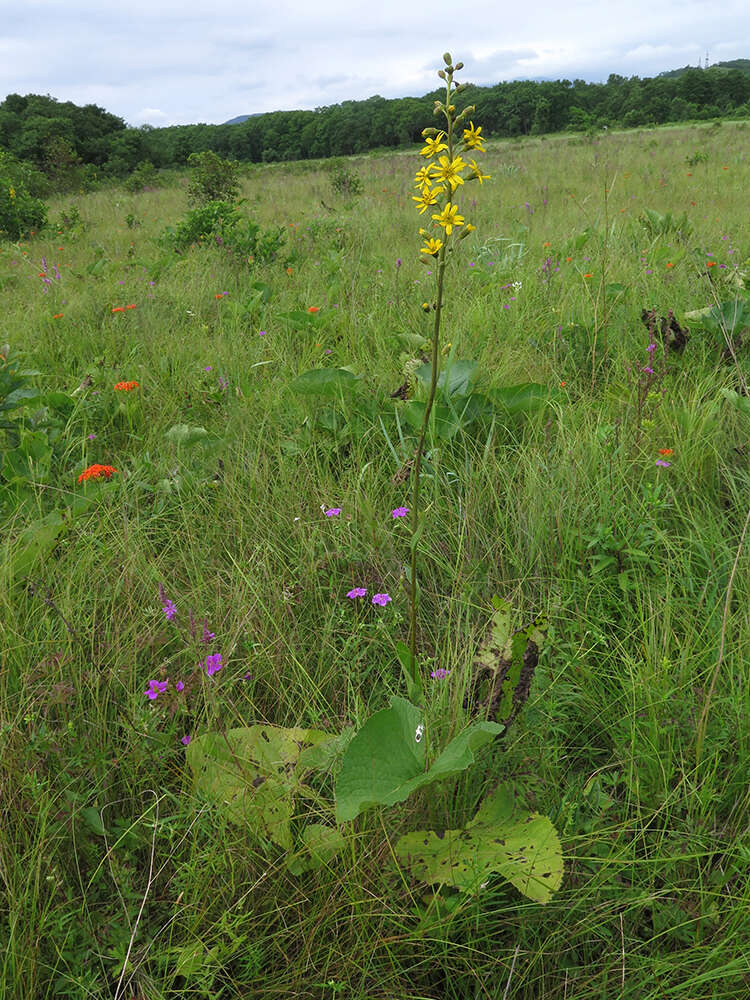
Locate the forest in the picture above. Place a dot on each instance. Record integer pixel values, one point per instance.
(78, 147)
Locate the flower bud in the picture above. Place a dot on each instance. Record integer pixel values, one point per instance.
(459, 65)
(447, 58)
(441, 74)
(429, 133)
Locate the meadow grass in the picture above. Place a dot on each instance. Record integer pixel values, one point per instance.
(105, 850)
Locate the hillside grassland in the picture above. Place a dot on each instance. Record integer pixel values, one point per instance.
(617, 509)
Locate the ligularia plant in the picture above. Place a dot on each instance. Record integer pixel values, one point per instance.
(438, 180)
(257, 773)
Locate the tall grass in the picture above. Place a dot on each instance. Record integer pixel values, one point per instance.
(99, 819)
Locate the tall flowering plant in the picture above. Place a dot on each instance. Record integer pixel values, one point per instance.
(439, 181)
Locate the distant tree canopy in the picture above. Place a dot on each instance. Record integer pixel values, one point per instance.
(72, 144)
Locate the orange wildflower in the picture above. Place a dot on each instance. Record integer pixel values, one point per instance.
(58, 316)
(119, 309)
(545, 244)
(665, 451)
(125, 386)
(562, 385)
(97, 472)
(710, 263)
(313, 309)
(587, 275)
(131, 306)
(568, 259)
(670, 264)
(289, 270)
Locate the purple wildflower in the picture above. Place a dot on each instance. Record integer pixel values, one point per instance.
(333, 512)
(662, 464)
(180, 685)
(155, 688)
(651, 348)
(212, 664)
(440, 674)
(262, 333)
(400, 511)
(649, 371)
(381, 599)
(169, 609)
(185, 741)
(357, 592)
(206, 636)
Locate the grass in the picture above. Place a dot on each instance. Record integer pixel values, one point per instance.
(106, 853)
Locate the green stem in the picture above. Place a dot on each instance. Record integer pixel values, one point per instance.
(418, 458)
(416, 473)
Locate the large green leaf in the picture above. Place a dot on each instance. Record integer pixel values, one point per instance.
(504, 838)
(385, 762)
(527, 398)
(453, 380)
(252, 775)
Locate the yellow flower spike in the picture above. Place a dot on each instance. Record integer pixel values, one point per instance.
(449, 218)
(449, 170)
(431, 247)
(434, 146)
(427, 198)
(472, 138)
(477, 174)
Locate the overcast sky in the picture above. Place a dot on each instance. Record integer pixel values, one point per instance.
(170, 62)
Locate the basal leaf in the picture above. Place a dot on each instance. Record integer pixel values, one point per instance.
(251, 774)
(385, 761)
(503, 838)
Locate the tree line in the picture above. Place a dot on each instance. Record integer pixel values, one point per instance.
(75, 146)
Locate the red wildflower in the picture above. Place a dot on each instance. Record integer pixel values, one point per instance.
(313, 309)
(131, 306)
(665, 451)
(587, 275)
(58, 316)
(97, 472)
(119, 309)
(125, 386)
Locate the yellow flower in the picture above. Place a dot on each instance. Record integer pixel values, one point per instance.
(450, 171)
(427, 197)
(472, 138)
(424, 176)
(431, 247)
(12, 193)
(477, 173)
(434, 146)
(449, 218)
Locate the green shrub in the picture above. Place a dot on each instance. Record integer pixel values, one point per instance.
(19, 212)
(219, 223)
(213, 179)
(144, 176)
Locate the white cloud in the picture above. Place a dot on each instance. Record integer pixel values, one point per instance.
(150, 116)
(210, 63)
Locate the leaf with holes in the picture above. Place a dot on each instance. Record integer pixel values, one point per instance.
(252, 775)
(503, 838)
